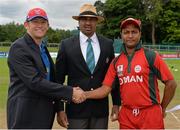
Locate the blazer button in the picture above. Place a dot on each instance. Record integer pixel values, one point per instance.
(53, 102)
(92, 77)
(92, 89)
(62, 100)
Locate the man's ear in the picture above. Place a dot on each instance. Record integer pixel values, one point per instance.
(140, 33)
(26, 24)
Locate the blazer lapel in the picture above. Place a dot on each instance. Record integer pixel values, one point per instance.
(35, 51)
(78, 53)
(102, 53)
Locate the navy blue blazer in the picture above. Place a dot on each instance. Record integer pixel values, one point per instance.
(31, 98)
(70, 62)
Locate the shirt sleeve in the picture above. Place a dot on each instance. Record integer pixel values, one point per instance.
(165, 73)
(110, 75)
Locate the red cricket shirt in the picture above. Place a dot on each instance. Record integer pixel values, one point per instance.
(138, 83)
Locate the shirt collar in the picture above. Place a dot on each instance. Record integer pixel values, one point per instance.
(42, 45)
(84, 38)
(138, 47)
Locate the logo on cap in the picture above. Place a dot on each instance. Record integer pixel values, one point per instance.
(128, 21)
(36, 12)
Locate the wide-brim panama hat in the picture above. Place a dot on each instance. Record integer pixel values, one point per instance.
(88, 10)
(128, 21)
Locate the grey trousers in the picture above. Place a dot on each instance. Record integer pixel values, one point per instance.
(88, 123)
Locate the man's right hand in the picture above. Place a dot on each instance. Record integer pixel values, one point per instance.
(114, 113)
(62, 119)
(78, 95)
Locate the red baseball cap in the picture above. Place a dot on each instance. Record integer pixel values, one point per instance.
(128, 21)
(36, 12)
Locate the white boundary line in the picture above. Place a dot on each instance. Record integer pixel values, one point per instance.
(175, 117)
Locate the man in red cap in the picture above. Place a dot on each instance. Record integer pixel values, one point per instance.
(138, 70)
(33, 96)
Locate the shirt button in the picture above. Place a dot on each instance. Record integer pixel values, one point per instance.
(53, 102)
(92, 77)
(92, 89)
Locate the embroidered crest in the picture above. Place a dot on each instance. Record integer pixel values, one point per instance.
(137, 68)
(107, 60)
(120, 70)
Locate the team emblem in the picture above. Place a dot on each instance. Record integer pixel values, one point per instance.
(107, 60)
(120, 70)
(137, 68)
(37, 12)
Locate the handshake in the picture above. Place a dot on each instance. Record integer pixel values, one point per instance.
(78, 95)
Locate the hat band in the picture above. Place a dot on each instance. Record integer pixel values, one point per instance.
(87, 13)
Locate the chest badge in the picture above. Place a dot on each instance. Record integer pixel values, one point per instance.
(120, 70)
(107, 60)
(137, 68)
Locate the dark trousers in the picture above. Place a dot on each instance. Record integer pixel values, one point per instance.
(88, 123)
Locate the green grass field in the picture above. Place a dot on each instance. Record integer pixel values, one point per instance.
(4, 49)
(4, 81)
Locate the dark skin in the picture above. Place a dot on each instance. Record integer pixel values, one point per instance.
(87, 25)
(131, 36)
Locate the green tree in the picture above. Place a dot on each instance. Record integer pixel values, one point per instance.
(170, 22)
(55, 36)
(114, 11)
(152, 9)
(3, 34)
(160, 18)
(12, 31)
